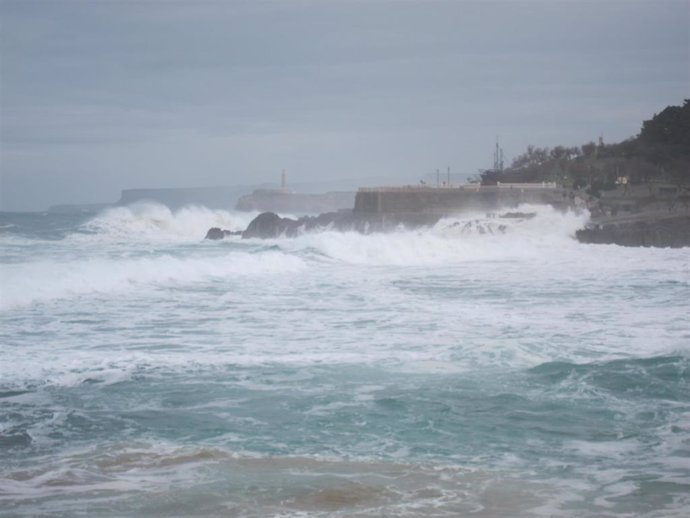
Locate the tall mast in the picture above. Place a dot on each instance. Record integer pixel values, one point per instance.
(498, 157)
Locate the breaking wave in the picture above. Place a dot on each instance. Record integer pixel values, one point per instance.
(155, 222)
(472, 237)
(42, 281)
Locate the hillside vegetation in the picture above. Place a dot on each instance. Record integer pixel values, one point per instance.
(659, 154)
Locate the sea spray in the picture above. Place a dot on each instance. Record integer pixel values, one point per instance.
(156, 223)
(468, 237)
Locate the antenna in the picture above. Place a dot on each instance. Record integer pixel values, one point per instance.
(498, 157)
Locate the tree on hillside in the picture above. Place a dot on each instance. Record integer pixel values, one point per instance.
(671, 127)
(534, 156)
(665, 142)
(589, 149)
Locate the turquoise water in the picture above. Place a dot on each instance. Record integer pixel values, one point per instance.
(461, 370)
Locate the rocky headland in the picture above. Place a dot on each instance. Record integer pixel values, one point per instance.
(655, 215)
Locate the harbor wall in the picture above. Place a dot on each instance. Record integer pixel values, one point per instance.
(448, 200)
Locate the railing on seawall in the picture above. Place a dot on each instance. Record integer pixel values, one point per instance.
(466, 187)
(541, 185)
(421, 188)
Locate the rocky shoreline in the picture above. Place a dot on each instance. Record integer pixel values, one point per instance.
(656, 229)
(628, 217)
(661, 229)
(269, 225)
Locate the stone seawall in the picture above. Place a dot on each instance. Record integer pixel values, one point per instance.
(410, 200)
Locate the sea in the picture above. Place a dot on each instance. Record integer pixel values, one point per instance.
(489, 366)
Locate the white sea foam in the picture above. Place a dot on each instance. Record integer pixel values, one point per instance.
(156, 223)
(40, 281)
(471, 237)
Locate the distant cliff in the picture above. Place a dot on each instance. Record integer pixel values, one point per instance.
(176, 198)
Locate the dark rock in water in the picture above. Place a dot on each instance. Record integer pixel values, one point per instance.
(217, 233)
(671, 231)
(268, 225)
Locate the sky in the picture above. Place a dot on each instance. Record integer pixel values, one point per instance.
(102, 95)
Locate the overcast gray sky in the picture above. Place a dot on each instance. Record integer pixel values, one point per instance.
(97, 96)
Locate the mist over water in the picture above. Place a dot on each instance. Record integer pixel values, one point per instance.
(486, 366)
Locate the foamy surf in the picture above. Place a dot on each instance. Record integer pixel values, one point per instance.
(528, 232)
(43, 281)
(152, 222)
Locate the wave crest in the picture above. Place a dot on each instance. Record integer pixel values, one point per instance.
(152, 221)
(43, 281)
